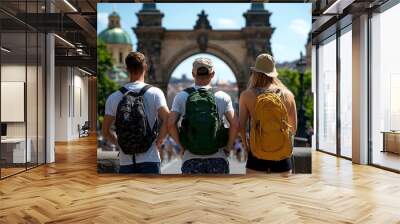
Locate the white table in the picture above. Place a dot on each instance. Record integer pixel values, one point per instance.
(18, 149)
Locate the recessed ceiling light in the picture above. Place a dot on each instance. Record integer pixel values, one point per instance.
(70, 5)
(337, 7)
(65, 41)
(79, 51)
(5, 50)
(84, 71)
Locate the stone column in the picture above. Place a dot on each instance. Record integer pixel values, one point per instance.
(257, 32)
(150, 33)
(360, 90)
(50, 93)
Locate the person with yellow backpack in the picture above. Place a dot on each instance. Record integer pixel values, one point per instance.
(270, 108)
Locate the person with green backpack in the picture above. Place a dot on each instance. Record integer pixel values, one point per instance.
(203, 115)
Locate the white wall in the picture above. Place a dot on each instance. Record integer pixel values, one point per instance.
(61, 103)
(33, 126)
(70, 83)
(12, 73)
(16, 73)
(79, 117)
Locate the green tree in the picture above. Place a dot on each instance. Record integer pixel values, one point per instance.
(291, 78)
(105, 86)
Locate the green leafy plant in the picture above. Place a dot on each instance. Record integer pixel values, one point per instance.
(105, 86)
(291, 78)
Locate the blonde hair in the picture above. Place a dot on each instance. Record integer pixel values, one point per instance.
(260, 80)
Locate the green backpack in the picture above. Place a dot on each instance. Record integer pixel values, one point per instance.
(202, 132)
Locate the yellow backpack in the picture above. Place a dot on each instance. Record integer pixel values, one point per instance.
(270, 131)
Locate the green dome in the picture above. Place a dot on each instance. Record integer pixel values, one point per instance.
(115, 35)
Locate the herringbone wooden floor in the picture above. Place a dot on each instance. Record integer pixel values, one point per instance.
(70, 191)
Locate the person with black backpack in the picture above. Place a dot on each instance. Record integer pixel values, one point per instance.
(202, 134)
(135, 109)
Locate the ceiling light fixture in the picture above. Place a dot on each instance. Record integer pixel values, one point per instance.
(5, 50)
(337, 7)
(70, 5)
(64, 40)
(332, 8)
(84, 71)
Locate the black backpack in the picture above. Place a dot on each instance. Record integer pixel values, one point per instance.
(133, 129)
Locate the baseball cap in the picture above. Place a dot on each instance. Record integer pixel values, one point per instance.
(202, 66)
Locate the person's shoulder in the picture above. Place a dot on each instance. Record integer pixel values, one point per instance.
(182, 94)
(287, 93)
(115, 95)
(222, 94)
(155, 90)
(154, 93)
(247, 93)
(181, 97)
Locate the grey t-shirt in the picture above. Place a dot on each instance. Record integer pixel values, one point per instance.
(224, 104)
(153, 99)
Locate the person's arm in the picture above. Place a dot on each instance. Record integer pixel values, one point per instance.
(109, 117)
(243, 118)
(160, 104)
(177, 109)
(107, 133)
(163, 113)
(173, 118)
(233, 128)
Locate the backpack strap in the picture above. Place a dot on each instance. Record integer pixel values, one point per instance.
(144, 89)
(277, 91)
(123, 90)
(190, 90)
(156, 122)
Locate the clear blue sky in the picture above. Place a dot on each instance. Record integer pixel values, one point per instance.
(292, 22)
(222, 70)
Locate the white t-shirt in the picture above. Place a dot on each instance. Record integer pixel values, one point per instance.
(153, 99)
(224, 104)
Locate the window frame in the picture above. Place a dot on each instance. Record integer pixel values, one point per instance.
(338, 29)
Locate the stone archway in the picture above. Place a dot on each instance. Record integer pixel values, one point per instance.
(181, 77)
(166, 49)
(172, 61)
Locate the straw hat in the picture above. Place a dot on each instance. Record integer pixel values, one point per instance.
(265, 64)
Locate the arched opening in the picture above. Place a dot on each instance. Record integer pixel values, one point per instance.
(225, 78)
